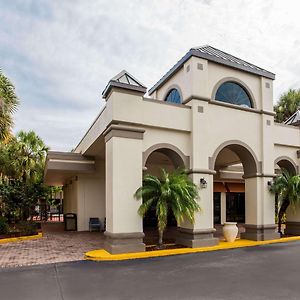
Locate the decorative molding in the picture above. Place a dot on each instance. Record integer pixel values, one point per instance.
(181, 105)
(124, 132)
(201, 171)
(193, 97)
(254, 175)
(178, 158)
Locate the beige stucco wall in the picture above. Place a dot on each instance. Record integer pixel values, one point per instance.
(197, 129)
(71, 196)
(85, 196)
(91, 196)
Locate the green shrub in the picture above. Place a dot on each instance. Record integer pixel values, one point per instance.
(3, 225)
(28, 228)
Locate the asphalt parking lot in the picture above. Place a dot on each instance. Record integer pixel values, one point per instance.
(263, 272)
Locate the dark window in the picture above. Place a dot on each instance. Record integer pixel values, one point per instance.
(231, 92)
(217, 208)
(173, 96)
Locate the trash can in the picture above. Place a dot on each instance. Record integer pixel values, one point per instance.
(70, 222)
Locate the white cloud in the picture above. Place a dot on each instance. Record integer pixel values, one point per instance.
(60, 54)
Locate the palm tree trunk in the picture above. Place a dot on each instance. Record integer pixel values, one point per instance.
(160, 238)
(282, 211)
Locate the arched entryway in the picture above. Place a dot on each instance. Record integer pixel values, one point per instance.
(284, 162)
(235, 164)
(157, 157)
(280, 164)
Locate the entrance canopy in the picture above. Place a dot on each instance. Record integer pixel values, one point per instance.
(61, 166)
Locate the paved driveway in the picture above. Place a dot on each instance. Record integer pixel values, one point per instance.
(55, 246)
(264, 272)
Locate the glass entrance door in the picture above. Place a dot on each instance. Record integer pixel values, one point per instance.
(235, 207)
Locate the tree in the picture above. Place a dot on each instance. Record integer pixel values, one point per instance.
(23, 158)
(22, 161)
(172, 192)
(287, 105)
(8, 105)
(287, 187)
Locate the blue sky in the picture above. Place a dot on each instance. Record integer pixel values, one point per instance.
(60, 54)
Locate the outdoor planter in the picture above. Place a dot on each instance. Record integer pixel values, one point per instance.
(230, 231)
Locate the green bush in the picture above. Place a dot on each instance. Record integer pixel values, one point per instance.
(28, 228)
(3, 225)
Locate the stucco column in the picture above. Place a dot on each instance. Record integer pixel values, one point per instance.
(260, 210)
(223, 208)
(201, 232)
(124, 227)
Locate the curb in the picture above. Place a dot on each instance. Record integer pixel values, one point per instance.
(102, 255)
(21, 238)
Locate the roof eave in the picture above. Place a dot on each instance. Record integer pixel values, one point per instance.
(122, 85)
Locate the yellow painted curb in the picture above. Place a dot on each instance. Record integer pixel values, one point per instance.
(21, 238)
(102, 255)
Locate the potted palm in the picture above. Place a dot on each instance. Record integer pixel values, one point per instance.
(287, 188)
(172, 192)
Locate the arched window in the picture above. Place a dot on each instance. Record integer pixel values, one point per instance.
(173, 96)
(232, 92)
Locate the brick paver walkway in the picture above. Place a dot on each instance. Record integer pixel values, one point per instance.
(55, 246)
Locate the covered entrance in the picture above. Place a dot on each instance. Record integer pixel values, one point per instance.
(237, 191)
(160, 157)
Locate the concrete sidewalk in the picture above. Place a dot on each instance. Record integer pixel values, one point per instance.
(55, 246)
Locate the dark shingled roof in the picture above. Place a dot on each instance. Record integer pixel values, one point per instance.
(217, 56)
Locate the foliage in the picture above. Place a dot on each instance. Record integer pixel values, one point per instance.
(28, 228)
(8, 105)
(287, 187)
(287, 105)
(23, 158)
(172, 192)
(22, 161)
(3, 225)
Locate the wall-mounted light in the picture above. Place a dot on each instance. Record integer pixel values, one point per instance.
(203, 183)
(270, 184)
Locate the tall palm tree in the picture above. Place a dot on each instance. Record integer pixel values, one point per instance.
(31, 155)
(172, 192)
(8, 105)
(287, 105)
(287, 187)
(23, 158)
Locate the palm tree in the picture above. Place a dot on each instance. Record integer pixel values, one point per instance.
(31, 155)
(287, 105)
(23, 158)
(8, 104)
(287, 187)
(172, 192)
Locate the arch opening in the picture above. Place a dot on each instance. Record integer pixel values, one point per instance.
(155, 159)
(234, 163)
(286, 164)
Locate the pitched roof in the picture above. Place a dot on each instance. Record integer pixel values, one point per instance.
(294, 119)
(212, 54)
(124, 80)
